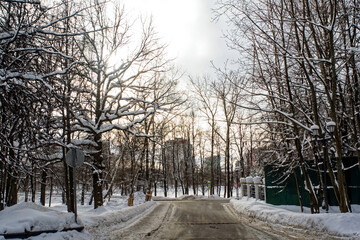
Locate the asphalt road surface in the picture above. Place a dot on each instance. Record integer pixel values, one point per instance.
(194, 219)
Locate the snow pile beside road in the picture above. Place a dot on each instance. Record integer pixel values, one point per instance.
(98, 222)
(32, 217)
(111, 217)
(100, 226)
(115, 211)
(343, 224)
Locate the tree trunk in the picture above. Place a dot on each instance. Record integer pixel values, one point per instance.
(212, 178)
(98, 174)
(344, 203)
(164, 170)
(66, 188)
(26, 188)
(33, 183)
(51, 191)
(227, 159)
(298, 191)
(83, 194)
(11, 191)
(71, 189)
(43, 187)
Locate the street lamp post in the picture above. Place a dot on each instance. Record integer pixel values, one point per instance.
(316, 133)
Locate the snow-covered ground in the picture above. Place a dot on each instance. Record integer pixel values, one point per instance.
(98, 222)
(116, 214)
(346, 225)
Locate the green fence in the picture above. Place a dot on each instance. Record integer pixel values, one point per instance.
(282, 191)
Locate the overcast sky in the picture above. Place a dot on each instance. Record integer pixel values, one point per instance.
(186, 27)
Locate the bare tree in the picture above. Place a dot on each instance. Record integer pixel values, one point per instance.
(209, 107)
(229, 94)
(117, 85)
(30, 67)
(303, 69)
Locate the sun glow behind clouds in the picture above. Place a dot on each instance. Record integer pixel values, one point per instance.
(186, 27)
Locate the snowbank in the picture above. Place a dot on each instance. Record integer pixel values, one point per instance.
(343, 224)
(111, 217)
(31, 217)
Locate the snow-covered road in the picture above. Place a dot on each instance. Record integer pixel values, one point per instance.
(194, 219)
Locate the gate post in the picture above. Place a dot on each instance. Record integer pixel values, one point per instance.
(249, 182)
(257, 182)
